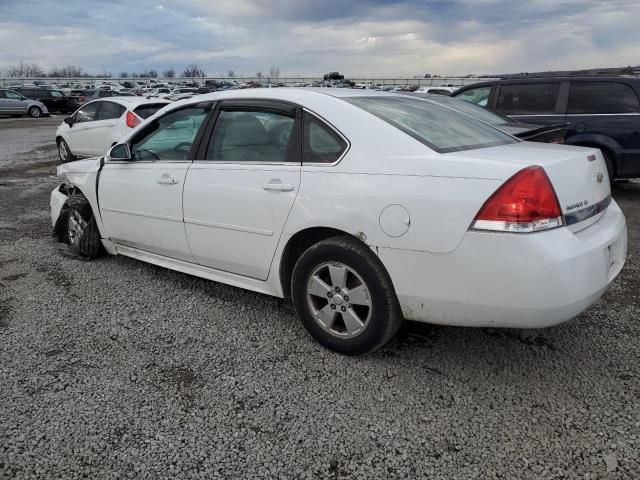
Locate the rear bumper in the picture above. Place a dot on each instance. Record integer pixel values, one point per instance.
(511, 280)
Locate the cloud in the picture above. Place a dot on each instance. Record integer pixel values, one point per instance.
(303, 37)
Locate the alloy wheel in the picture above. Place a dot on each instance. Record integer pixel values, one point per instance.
(339, 300)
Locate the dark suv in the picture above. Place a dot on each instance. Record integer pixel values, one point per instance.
(600, 112)
(55, 100)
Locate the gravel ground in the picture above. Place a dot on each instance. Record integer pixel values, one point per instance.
(119, 369)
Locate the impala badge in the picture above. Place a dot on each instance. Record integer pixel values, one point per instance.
(599, 177)
(591, 158)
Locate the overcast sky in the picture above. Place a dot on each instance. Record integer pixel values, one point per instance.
(355, 37)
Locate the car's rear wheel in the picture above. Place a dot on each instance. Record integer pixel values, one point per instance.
(344, 296)
(63, 151)
(81, 228)
(35, 112)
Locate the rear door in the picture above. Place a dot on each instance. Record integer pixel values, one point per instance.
(608, 109)
(99, 131)
(80, 139)
(57, 101)
(538, 103)
(238, 196)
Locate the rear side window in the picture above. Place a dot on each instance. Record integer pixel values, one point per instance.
(252, 136)
(602, 97)
(110, 110)
(145, 111)
(321, 143)
(528, 99)
(440, 128)
(479, 96)
(87, 113)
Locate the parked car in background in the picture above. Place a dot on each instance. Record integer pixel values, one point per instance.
(12, 103)
(437, 90)
(363, 207)
(600, 112)
(55, 100)
(524, 131)
(99, 124)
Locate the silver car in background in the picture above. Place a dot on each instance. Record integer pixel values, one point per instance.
(12, 103)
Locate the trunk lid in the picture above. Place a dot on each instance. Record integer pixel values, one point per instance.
(578, 175)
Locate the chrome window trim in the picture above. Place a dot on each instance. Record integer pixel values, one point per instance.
(253, 162)
(338, 132)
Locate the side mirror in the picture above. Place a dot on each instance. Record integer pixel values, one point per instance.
(69, 121)
(120, 152)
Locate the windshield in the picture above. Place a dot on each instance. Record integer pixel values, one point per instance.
(470, 109)
(440, 128)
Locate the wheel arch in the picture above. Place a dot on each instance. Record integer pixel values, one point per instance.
(297, 244)
(607, 145)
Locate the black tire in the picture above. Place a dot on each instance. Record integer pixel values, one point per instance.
(35, 112)
(386, 316)
(85, 243)
(62, 148)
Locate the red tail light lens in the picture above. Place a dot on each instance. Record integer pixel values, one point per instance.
(82, 98)
(525, 203)
(132, 120)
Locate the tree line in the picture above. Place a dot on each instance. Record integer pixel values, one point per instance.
(33, 70)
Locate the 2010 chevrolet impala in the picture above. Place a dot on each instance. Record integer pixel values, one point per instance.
(363, 208)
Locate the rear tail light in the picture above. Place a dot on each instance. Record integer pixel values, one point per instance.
(82, 98)
(525, 203)
(132, 120)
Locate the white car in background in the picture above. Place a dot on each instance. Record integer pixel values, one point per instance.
(436, 90)
(362, 207)
(99, 124)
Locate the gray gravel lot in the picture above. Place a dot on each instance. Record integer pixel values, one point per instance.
(119, 369)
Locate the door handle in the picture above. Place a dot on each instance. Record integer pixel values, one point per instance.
(278, 187)
(167, 180)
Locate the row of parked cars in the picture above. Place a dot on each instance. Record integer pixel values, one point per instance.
(362, 207)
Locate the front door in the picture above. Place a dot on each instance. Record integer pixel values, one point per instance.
(141, 199)
(12, 103)
(237, 200)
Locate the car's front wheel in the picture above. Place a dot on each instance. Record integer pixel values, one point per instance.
(81, 229)
(35, 112)
(345, 297)
(63, 151)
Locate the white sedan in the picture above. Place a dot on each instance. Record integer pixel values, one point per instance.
(364, 208)
(100, 124)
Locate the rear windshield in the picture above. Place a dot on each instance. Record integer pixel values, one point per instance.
(148, 109)
(471, 109)
(439, 128)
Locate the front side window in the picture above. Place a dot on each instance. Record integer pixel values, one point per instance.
(88, 113)
(440, 128)
(110, 111)
(602, 97)
(252, 136)
(171, 136)
(321, 143)
(12, 95)
(528, 99)
(479, 96)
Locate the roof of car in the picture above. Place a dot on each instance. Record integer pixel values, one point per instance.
(130, 101)
(552, 79)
